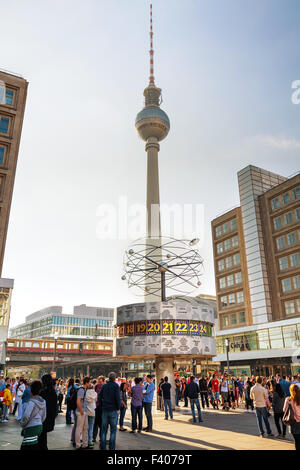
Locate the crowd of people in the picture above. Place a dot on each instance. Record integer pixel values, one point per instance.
(94, 405)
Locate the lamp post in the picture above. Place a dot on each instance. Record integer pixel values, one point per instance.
(227, 353)
(54, 356)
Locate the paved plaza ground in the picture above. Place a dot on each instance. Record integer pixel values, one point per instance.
(235, 430)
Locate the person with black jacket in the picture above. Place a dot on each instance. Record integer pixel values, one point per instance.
(277, 405)
(109, 398)
(50, 397)
(192, 392)
(204, 392)
(70, 391)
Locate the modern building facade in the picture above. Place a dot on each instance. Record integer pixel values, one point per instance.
(257, 271)
(13, 92)
(85, 323)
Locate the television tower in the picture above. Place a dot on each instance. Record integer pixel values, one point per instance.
(152, 125)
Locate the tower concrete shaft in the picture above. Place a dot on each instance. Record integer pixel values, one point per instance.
(153, 202)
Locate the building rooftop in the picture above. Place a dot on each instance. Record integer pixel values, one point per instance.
(11, 73)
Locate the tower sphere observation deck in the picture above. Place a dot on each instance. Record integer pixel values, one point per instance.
(152, 121)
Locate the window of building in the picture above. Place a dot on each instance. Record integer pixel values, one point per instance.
(231, 299)
(286, 284)
(233, 319)
(289, 307)
(221, 265)
(226, 227)
(298, 305)
(225, 321)
(294, 259)
(297, 214)
(218, 231)
(275, 203)
(227, 245)
(236, 259)
(288, 218)
(2, 150)
(263, 339)
(291, 238)
(230, 281)
(9, 97)
(276, 338)
(220, 248)
(224, 301)
(235, 241)
(286, 198)
(233, 224)
(280, 242)
(4, 122)
(228, 262)
(277, 222)
(283, 263)
(242, 317)
(238, 277)
(240, 297)
(296, 282)
(296, 193)
(289, 336)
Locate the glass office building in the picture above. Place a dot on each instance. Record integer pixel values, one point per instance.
(85, 323)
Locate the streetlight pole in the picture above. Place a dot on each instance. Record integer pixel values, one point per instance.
(227, 353)
(54, 355)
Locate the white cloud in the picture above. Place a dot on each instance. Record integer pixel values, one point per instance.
(275, 142)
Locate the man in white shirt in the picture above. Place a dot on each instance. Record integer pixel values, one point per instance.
(259, 395)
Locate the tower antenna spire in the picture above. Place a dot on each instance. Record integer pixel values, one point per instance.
(151, 77)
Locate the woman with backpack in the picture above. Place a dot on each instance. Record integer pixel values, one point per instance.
(294, 402)
(50, 397)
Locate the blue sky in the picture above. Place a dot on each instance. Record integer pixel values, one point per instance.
(225, 69)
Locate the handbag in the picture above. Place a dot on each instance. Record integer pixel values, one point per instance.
(288, 417)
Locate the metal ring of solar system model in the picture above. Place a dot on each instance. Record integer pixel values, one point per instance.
(155, 266)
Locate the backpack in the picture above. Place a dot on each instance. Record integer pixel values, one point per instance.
(73, 398)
